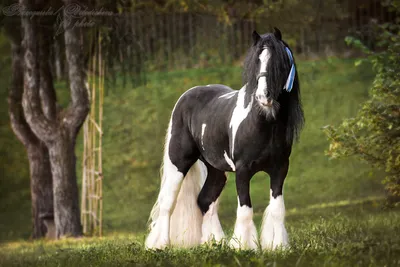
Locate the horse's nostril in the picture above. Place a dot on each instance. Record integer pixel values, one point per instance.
(268, 94)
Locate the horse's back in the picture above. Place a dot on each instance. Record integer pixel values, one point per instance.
(200, 96)
(207, 91)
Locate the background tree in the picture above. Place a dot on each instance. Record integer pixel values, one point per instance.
(39, 164)
(38, 156)
(59, 131)
(374, 134)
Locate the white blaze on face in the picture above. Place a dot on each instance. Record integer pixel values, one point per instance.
(262, 81)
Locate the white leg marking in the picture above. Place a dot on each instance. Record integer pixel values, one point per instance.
(203, 128)
(245, 233)
(229, 161)
(228, 95)
(273, 233)
(211, 228)
(239, 114)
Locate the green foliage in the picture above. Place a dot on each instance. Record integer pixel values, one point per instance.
(374, 133)
(354, 235)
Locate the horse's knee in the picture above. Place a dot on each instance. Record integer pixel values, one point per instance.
(276, 208)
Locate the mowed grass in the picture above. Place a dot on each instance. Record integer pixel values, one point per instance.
(333, 206)
(350, 235)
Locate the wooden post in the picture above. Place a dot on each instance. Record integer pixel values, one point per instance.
(92, 168)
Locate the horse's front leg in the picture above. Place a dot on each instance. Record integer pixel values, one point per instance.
(273, 231)
(245, 233)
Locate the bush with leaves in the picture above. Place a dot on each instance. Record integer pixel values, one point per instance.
(374, 133)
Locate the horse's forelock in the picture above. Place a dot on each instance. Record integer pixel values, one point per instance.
(278, 66)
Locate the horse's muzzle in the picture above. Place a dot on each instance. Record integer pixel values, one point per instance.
(264, 101)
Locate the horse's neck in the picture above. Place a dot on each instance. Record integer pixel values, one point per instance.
(247, 96)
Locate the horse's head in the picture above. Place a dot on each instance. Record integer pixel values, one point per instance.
(269, 70)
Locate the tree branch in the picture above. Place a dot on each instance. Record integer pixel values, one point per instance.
(79, 107)
(43, 128)
(17, 119)
(47, 93)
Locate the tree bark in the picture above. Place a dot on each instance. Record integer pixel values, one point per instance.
(65, 187)
(41, 190)
(40, 173)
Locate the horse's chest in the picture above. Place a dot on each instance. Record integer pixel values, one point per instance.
(259, 148)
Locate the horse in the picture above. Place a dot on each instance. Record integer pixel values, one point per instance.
(214, 129)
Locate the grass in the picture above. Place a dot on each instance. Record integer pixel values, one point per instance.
(355, 234)
(334, 216)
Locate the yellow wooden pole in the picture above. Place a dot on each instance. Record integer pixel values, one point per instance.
(100, 151)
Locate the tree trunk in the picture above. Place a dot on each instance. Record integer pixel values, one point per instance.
(57, 132)
(40, 172)
(41, 190)
(65, 187)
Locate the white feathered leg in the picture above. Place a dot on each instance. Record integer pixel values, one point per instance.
(245, 234)
(273, 233)
(211, 228)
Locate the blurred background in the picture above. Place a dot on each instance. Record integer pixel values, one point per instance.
(153, 51)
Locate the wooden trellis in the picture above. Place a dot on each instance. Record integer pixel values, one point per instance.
(92, 173)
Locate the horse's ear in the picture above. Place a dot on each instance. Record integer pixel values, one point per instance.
(256, 37)
(278, 34)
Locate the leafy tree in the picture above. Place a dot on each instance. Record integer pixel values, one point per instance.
(374, 133)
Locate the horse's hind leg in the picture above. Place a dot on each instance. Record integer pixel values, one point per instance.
(273, 231)
(179, 155)
(208, 203)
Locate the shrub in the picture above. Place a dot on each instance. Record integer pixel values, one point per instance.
(374, 133)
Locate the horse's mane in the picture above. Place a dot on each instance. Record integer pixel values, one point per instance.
(278, 69)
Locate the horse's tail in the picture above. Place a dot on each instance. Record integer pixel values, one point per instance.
(186, 219)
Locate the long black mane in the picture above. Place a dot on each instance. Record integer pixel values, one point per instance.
(278, 69)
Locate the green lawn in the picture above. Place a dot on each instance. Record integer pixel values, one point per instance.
(333, 217)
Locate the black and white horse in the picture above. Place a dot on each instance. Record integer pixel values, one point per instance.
(214, 129)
